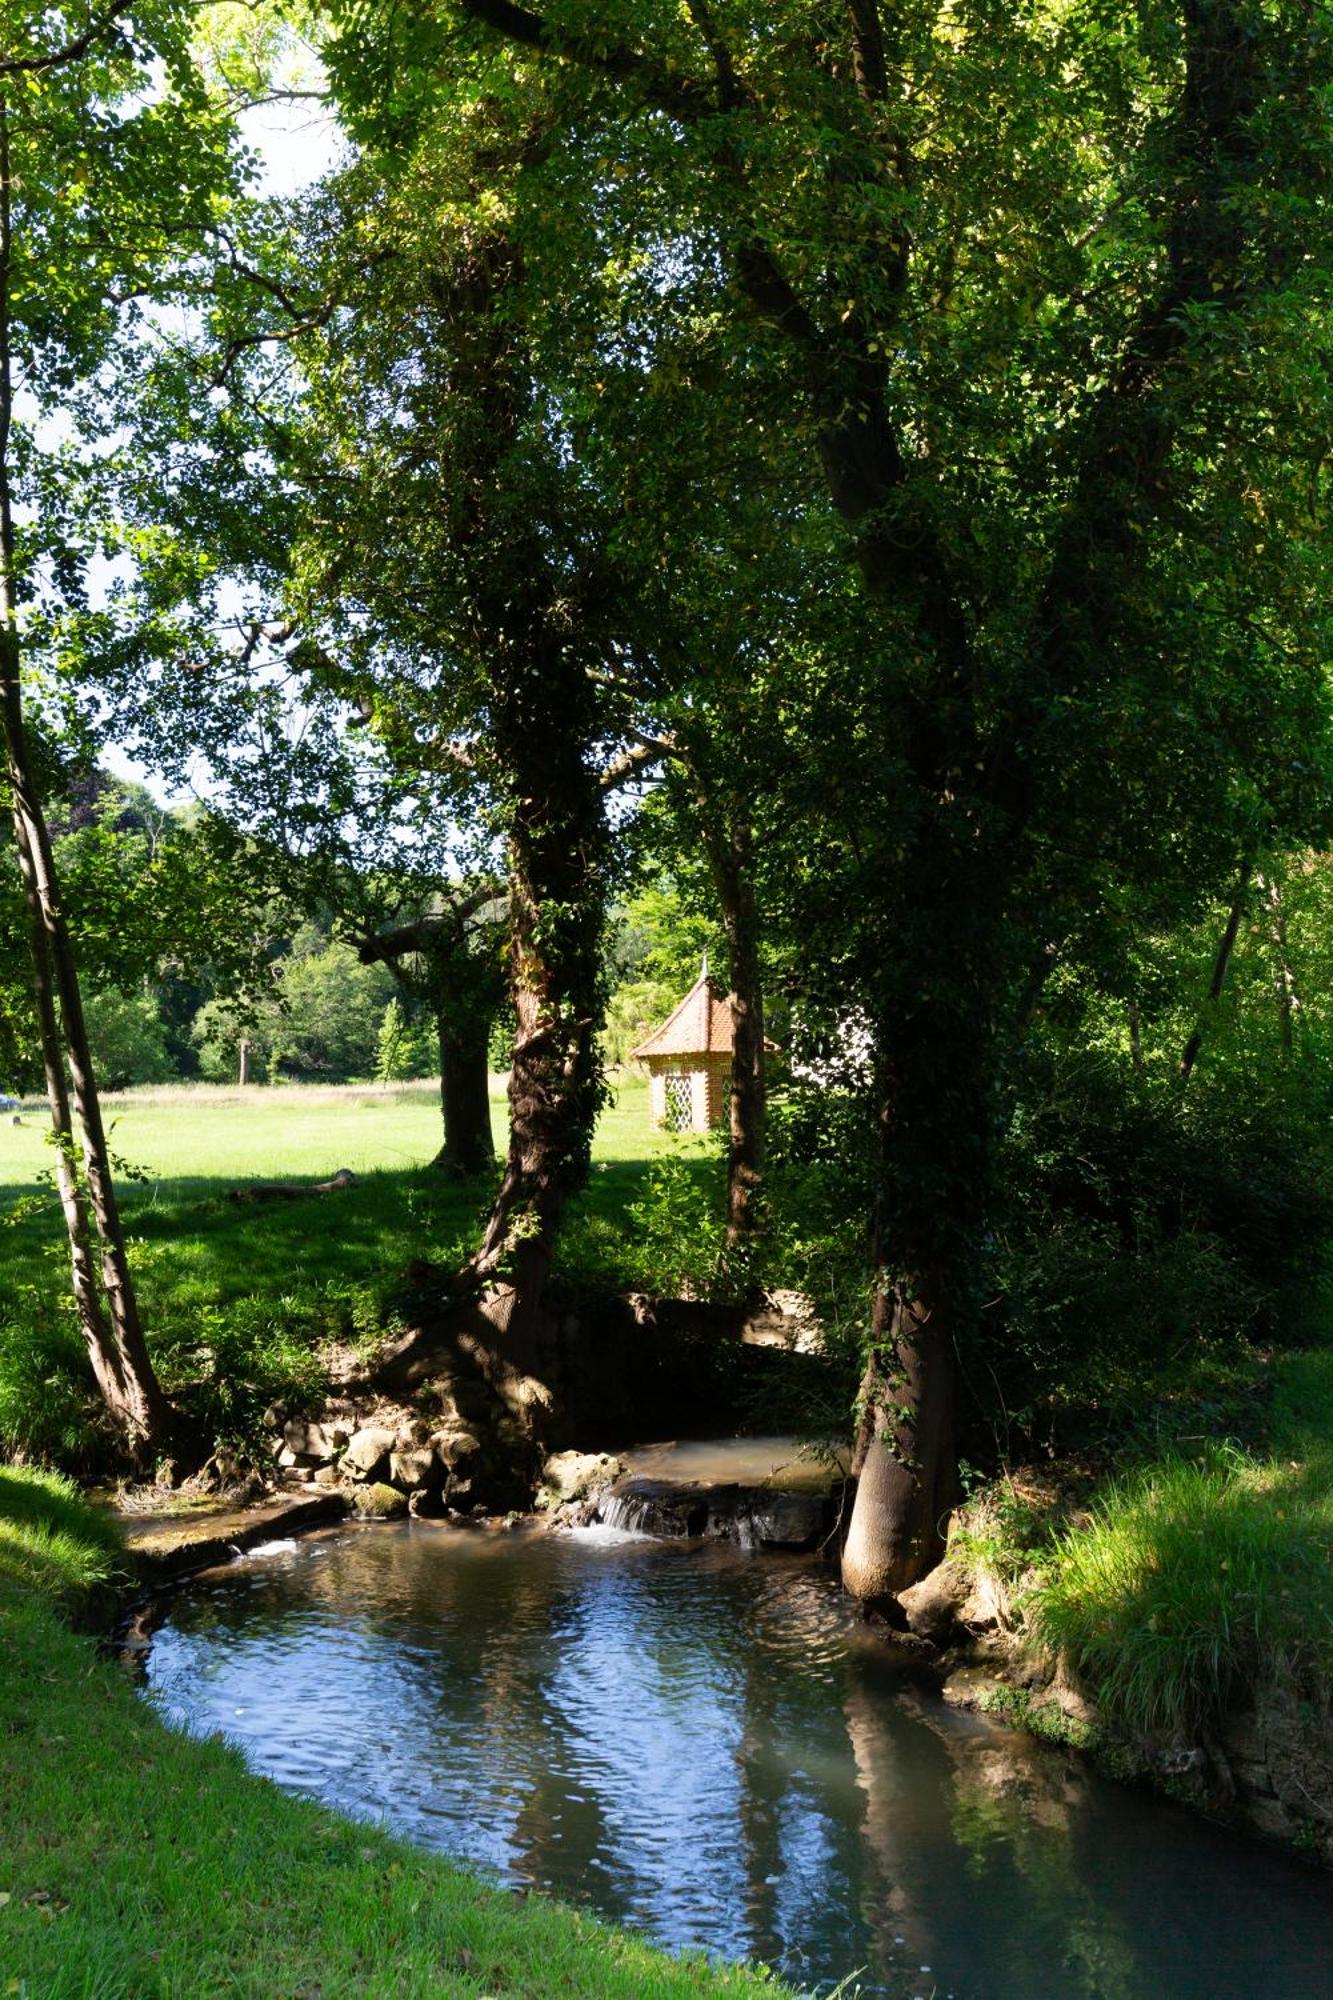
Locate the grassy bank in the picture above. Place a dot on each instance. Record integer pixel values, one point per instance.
(137, 1862)
(1181, 1588)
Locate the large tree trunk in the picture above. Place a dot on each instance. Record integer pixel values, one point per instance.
(122, 1367)
(934, 1082)
(905, 1458)
(728, 841)
(465, 1097)
(557, 899)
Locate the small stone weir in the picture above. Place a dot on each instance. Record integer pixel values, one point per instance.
(769, 1492)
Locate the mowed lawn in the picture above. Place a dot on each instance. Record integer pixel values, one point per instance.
(183, 1134)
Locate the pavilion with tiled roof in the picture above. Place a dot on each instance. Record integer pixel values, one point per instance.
(689, 1060)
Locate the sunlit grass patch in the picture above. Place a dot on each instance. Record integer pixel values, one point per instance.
(1196, 1579)
(52, 1540)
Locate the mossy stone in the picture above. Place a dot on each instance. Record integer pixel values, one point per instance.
(378, 1502)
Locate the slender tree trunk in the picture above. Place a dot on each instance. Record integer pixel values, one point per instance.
(1136, 1038)
(102, 1354)
(1284, 983)
(465, 1097)
(1221, 966)
(728, 841)
(135, 1398)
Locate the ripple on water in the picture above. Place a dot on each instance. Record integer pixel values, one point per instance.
(705, 1744)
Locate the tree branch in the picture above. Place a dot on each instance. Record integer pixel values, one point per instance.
(679, 96)
(868, 65)
(644, 752)
(71, 51)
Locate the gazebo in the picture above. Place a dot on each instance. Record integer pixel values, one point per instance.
(688, 1060)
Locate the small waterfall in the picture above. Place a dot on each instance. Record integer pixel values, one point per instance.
(632, 1514)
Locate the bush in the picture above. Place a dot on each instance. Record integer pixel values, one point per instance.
(46, 1388)
(1141, 1225)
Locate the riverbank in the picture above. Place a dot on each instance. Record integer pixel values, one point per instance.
(1175, 1619)
(137, 1861)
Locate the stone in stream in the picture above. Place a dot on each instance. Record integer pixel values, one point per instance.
(933, 1605)
(368, 1452)
(378, 1502)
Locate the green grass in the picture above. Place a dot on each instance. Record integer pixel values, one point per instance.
(239, 1298)
(1197, 1579)
(138, 1864)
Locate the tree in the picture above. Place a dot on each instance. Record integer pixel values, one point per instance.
(1068, 459)
(450, 957)
(126, 1038)
(98, 175)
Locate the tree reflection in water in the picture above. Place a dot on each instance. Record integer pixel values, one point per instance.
(708, 1745)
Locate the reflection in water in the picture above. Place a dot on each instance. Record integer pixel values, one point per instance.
(707, 1745)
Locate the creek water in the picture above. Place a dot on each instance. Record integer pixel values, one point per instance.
(707, 1745)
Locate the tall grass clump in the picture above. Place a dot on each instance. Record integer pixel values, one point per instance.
(1192, 1582)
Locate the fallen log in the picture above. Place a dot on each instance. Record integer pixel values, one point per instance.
(291, 1190)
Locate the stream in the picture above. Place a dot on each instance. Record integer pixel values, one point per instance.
(707, 1745)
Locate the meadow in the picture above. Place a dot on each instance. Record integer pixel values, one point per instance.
(239, 1297)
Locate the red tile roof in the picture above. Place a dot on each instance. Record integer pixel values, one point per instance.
(700, 1026)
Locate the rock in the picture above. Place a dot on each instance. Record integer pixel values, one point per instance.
(968, 1687)
(986, 1605)
(326, 1475)
(1268, 1816)
(412, 1467)
(788, 1521)
(455, 1448)
(317, 1442)
(932, 1606)
(572, 1475)
(378, 1502)
(427, 1503)
(368, 1452)
(1253, 1780)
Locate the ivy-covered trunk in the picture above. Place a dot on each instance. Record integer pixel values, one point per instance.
(558, 856)
(926, 1278)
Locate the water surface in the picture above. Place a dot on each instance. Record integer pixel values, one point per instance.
(708, 1745)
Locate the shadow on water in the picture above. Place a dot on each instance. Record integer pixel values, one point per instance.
(708, 1746)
